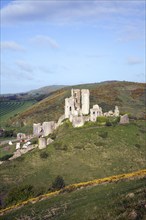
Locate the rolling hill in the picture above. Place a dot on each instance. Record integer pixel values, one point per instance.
(116, 201)
(128, 96)
(78, 155)
(81, 154)
(14, 104)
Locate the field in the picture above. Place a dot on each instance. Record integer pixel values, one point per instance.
(116, 201)
(12, 108)
(78, 155)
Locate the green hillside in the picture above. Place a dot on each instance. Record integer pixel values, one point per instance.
(12, 108)
(116, 201)
(79, 154)
(128, 96)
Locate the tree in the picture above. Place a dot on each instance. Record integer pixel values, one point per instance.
(58, 183)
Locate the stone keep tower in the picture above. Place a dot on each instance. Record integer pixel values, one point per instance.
(85, 101)
(69, 107)
(75, 93)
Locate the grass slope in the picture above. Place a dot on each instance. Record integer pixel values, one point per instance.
(130, 98)
(9, 109)
(78, 155)
(116, 201)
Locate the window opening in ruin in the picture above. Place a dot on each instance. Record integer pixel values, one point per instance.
(93, 113)
(70, 108)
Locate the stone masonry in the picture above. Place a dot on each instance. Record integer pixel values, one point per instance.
(77, 108)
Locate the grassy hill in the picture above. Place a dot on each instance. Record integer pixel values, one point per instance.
(82, 154)
(128, 96)
(12, 108)
(37, 94)
(12, 105)
(79, 154)
(116, 201)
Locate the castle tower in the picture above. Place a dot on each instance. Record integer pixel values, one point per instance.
(85, 101)
(69, 107)
(75, 93)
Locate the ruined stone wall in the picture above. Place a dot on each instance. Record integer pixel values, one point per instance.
(69, 107)
(75, 93)
(48, 127)
(85, 101)
(37, 129)
(42, 143)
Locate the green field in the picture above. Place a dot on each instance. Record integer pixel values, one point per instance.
(78, 155)
(116, 201)
(12, 108)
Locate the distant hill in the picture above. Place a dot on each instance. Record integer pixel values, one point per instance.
(130, 97)
(13, 104)
(37, 94)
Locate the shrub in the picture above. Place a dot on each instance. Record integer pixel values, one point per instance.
(6, 157)
(58, 183)
(67, 124)
(112, 121)
(44, 155)
(19, 193)
(101, 119)
(89, 124)
(108, 123)
(9, 133)
(103, 134)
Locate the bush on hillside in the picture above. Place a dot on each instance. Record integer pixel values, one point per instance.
(58, 183)
(67, 124)
(9, 133)
(19, 193)
(6, 157)
(101, 119)
(112, 121)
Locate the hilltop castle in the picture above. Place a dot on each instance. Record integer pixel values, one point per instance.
(77, 108)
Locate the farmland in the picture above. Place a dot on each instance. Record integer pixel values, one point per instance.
(12, 108)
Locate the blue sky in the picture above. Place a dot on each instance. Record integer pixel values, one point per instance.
(47, 42)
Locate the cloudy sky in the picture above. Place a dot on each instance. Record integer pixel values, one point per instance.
(47, 42)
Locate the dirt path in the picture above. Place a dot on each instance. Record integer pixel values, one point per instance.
(73, 187)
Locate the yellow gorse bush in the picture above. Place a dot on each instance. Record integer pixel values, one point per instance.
(72, 187)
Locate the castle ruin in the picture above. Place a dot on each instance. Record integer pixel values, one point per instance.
(77, 110)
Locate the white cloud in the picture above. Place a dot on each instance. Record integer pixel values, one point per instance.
(67, 10)
(134, 60)
(45, 40)
(11, 45)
